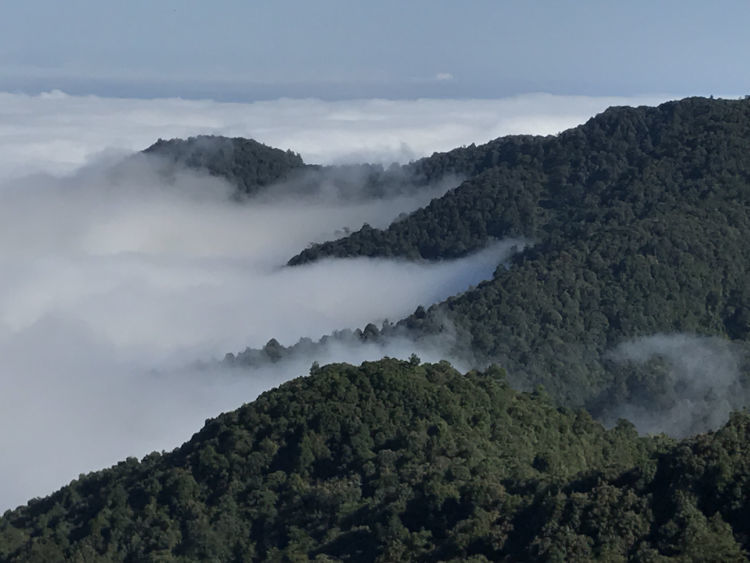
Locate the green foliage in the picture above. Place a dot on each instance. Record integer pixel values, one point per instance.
(624, 163)
(639, 221)
(391, 457)
(397, 460)
(245, 163)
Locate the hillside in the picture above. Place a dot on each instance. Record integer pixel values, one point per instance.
(394, 460)
(639, 221)
(251, 167)
(622, 164)
(245, 163)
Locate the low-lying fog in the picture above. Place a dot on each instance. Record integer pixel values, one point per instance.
(115, 280)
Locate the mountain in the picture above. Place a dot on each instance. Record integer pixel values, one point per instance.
(251, 167)
(638, 223)
(245, 163)
(394, 460)
(622, 164)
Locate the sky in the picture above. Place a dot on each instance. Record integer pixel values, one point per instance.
(241, 51)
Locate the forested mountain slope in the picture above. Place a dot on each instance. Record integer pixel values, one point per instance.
(623, 164)
(245, 163)
(394, 460)
(640, 222)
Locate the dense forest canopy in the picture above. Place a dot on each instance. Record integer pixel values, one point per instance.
(245, 163)
(394, 460)
(623, 164)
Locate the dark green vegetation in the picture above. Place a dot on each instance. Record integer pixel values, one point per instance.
(640, 220)
(624, 164)
(397, 461)
(245, 163)
(251, 166)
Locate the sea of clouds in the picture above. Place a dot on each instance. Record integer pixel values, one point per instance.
(55, 132)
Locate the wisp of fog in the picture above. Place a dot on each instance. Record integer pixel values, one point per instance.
(116, 279)
(701, 383)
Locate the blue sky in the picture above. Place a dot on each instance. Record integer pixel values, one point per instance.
(240, 50)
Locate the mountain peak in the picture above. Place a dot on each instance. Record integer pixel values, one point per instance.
(246, 163)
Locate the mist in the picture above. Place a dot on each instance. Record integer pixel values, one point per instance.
(56, 132)
(695, 382)
(118, 279)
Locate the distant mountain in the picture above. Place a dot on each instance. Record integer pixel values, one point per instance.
(396, 461)
(245, 163)
(640, 222)
(252, 166)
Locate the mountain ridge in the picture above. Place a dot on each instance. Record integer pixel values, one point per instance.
(401, 460)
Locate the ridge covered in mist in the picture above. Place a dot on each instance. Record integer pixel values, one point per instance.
(250, 166)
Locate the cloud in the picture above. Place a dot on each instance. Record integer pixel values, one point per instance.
(692, 383)
(57, 133)
(443, 76)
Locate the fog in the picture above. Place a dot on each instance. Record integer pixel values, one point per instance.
(696, 382)
(117, 279)
(56, 132)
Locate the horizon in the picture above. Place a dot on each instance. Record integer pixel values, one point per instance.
(234, 51)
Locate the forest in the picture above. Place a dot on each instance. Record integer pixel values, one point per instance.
(636, 226)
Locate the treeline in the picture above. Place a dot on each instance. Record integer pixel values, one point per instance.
(395, 460)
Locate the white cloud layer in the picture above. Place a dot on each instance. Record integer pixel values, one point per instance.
(55, 132)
